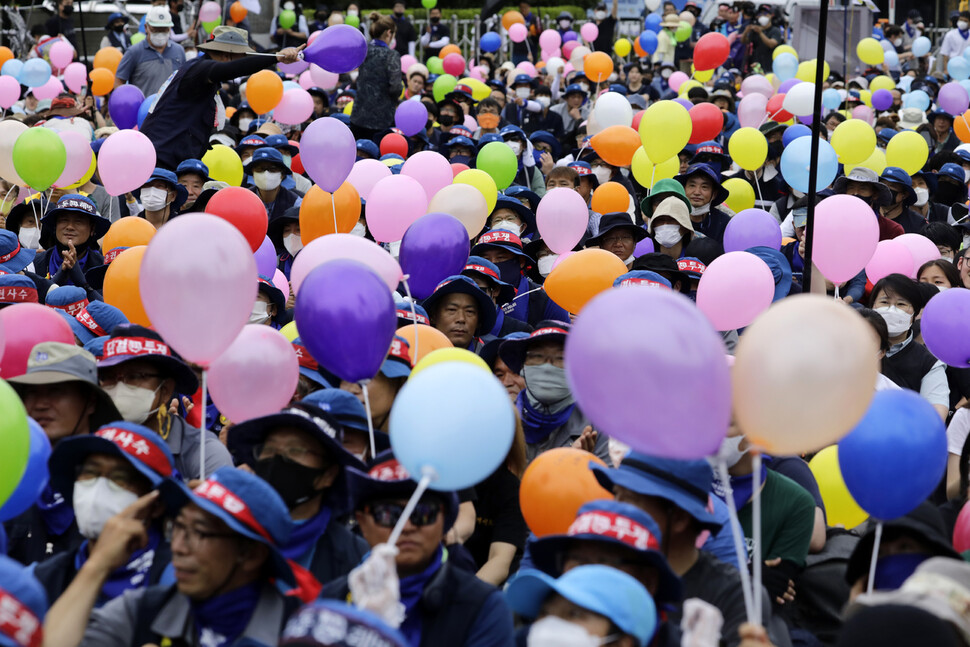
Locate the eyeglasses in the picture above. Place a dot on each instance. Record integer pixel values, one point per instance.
(119, 477)
(618, 238)
(291, 452)
(192, 536)
(535, 358)
(130, 379)
(387, 515)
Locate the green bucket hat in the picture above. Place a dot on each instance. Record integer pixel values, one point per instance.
(663, 189)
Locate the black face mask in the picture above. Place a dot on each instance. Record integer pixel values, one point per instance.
(292, 481)
(948, 194)
(399, 14)
(461, 159)
(118, 29)
(435, 20)
(510, 271)
(68, 10)
(775, 149)
(446, 121)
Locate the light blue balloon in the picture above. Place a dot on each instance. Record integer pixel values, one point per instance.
(454, 418)
(892, 59)
(831, 98)
(905, 83)
(966, 85)
(916, 99)
(795, 161)
(785, 66)
(34, 73)
(958, 68)
(921, 46)
(966, 53)
(291, 85)
(12, 68)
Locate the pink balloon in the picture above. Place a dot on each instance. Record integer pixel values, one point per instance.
(470, 123)
(568, 47)
(568, 67)
(846, 234)
(890, 257)
(757, 84)
(407, 61)
(476, 74)
(528, 68)
(922, 248)
(9, 91)
(550, 53)
(562, 257)
(305, 81)
(752, 110)
(561, 218)
(313, 36)
(295, 107)
(49, 90)
(256, 376)
(734, 289)
(430, 169)
(518, 32)
(209, 11)
(322, 78)
(61, 54)
(550, 40)
(394, 204)
(589, 32)
(75, 76)
(864, 113)
(196, 305)
(279, 280)
(365, 174)
(676, 80)
(125, 162)
(334, 246)
(22, 326)
(78, 150)
(454, 64)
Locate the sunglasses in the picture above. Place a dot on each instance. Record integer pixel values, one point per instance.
(388, 514)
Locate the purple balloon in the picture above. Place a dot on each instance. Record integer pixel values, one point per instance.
(123, 105)
(944, 327)
(434, 247)
(339, 49)
(752, 228)
(684, 102)
(266, 259)
(329, 152)
(569, 35)
(292, 68)
(410, 117)
(346, 318)
(645, 246)
(806, 119)
(882, 99)
(787, 85)
(953, 98)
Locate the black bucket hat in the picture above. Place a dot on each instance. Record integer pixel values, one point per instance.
(665, 267)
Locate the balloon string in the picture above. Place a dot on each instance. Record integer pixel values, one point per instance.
(519, 296)
(427, 475)
(370, 419)
(875, 557)
(333, 205)
(414, 315)
(202, 426)
(836, 292)
(653, 174)
(756, 531)
(739, 548)
(757, 185)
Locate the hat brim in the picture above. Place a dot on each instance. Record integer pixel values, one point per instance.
(509, 248)
(248, 169)
(245, 436)
(315, 377)
(364, 489)
(71, 452)
(885, 197)
(638, 233)
(506, 291)
(19, 262)
(99, 224)
(486, 309)
(523, 212)
(512, 351)
(105, 412)
(392, 368)
(858, 564)
(228, 48)
(186, 382)
(908, 190)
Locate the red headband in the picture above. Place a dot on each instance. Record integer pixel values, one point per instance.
(615, 526)
(217, 493)
(139, 447)
(88, 322)
(135, 346)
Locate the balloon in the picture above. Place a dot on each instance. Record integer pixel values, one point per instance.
(102, 81)
(9, 91)
(266, 258)
(210, 11)
(61, 54)
(748, 148)
(129, 232)
(449, 355)
(442, 86)
(224, 165)
(767, 369)
(366, 173)
(664, 130)
(121, 284)
(12, 67)
(295, 107)
(616, 145)
(882, 82)
(961, 530)
(237, 12)
(464, 202)
(795, 161)
(264, 90)
(648, 41)
(597, 66)
(613, 109)
(498, 160)
(775, 109)
(6, 54)
(124, 104)
(126, 161)
(870, 51)
(741, 194)
(890, 257)
(751, 110)
(491, 42)
(322, 78)
(908, 151)
(395, 202)
(921, 46)
(757, 84)
(752, 228)
(410, 117)
(34, 73)
(435, 65)
(676, 80)
(581, 276)
(481, 181)
(622, 47)
(734, 289)
(562, 218)
(429, 340)
(39, 157)
(840, 508)
(338, 49)
(145, 106)
(846, 235)
(49, 90)
(957, 67)
(214, 299)
(393, 143)
(628, 353)
(647, 174)
(453, 64)
(609, 197)
(854, 141)
(22, 326)
(345, 246)
(785, 66)
(707, 121)
(953, 98)
(35, 474)
(807, 69)
(921, 248)
(434, 247)
(510, 18)
(555, 486)
(901, 433)
(243, 210)
(831, 99)
(800, 99)
(941, 327)
(589, 31)
(256, 376)
(328, 150)
(15, 434)
(711, 51)
(317, 212)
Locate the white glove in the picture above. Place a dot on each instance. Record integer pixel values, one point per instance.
(374, 585)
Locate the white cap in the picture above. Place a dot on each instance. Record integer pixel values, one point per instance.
(159, 17)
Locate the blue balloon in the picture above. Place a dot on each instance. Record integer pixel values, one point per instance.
(966, 85)
(958, 68)
(794, 132)
(831, 99)
(916, 99)
(291, 85)
(905, 83)
(648, 41)
(145, 106)
(491, 42)
(877, 33)
(921, 46)
(795, 161)
(892, 59)
(785, 66)
(652, 23)
(455, 418)
(901, 434)
(35, 477)
(12, 68)
(34, 73)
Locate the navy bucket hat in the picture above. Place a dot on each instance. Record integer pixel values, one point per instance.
(513, 351)
(720, 193)
(464, 285)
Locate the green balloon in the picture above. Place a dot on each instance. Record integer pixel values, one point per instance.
(137, 38)
(683, 31)
(353, 21)
(498, 160)
(211, 25)
(14, 434)
(287, 19)
(443, 85)
(435, 65)
(429, 4)
(39, 157)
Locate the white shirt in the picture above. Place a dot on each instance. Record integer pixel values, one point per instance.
(954, 43)
(957, 431)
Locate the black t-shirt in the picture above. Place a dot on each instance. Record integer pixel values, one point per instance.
(56, 25)
(405, 34)
(604, 42)
(498, 517)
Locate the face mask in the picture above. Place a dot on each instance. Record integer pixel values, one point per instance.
(29, 238)
(523, 93)
(118, 29)
(435, 20)
(267, 180)
(893, 570)
(97, 500)
(507, 225)
(292, 481)
(510, 271)
(461, 159)
(941, 288)
(584, 86)
(730, 450)
(897, 321)
(898, 42)
(565, 24)
(515, 146)
(545, 264)
(922, 196)
(259, 314)
(962, 25)
(602, 173)
(399, 14)
(134, 403)
(358, 230)
(154, 199)
(293, 243)
(665, 73)
(544, 101)
(488, 120)
(667, 235)
(701, 210)
(546, 383)
(553, 631)
(353, 12)
(775, 149)
(447, 121)
(244, 124)
(966, 175)
(158, 39)
(600, 15)
(764, 21)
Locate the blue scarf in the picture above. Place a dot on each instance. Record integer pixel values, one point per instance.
(132, 575)
(221, 620)
(54, 264)
(304, 537)
(411, 588)
(538, 425)
(378, 43)
(964, 34)
(56, 512)
(742, 487)
(499, 321)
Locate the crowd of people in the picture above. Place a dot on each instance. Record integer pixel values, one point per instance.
(166, 522)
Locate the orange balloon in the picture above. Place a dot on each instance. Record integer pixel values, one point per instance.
(237, 11)
(616, 145)
(102, 81)
(230, 111)
(597, 66)
(316, 212)
(263, 91)
(107, 58)
(581, 276)
(509, 18)
(127, 232)
(449, 49)
(555, 486)
(5, 54)
(121, 285)
(642, 53)
(429, 340)
(961, 126)
(610, 197)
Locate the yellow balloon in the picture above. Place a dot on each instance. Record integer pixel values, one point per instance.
(449, 355)
(479, 89)
(481, 181)
(224, 165)
(88, 174)
(290, 332)
(866, 97)
(882, 83)
(854, 140)
(773, 80)
(349, 108)
(870, 51)
(665, 129)
(622, 47)
(908, 151)
(647, 173)
(875, 162)
(781, 49)
(840, 508)
(686, 86)
(748, 147)
(806, 71)
(741, 194)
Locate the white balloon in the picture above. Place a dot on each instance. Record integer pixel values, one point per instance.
(800, 99)
(651, 5)
(613, 109)
(578, 55)
(553, 65)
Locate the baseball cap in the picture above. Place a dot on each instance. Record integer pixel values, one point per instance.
(159, 16)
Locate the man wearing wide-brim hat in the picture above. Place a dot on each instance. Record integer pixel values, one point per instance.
(181, 121)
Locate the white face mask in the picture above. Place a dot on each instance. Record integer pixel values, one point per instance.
(962, 25)
(154, 199)
(553, 631)
(966, 175)
(941, 288)
(244, 123)
(507, 225)
(948, 259)
(600, 15)
(565, 24)
(922, 195)
(359, 230)
(764, 21)
(667, 235)
(29, 238)
(353, 75)
(544, 101)
(897, 321)
(584, 86)
(701, 210)
(515, 146)
(666, 72)
(353, 12)
(545, 264)
(523, 93)
(602, 173)
(267, 180)
(97, 500)
(158, 39)
(730, 450)
(249, 158)
(288, 160)
(259, 314)
(293, 243)
(134, 403)
(898, 42)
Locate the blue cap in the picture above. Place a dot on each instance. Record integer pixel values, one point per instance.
(96, 319)
(341, 117)
(398, 360)
(460, 140)
(282, 144)
(165, 175)
(17, 288)
(96, 346)
(464, 285)
(309, 367)
(266, 154)
(406, 316)
(346, 409)
(249, 141)
(512, 129)
(780, 269)
(522, 78)
(502, 239)
(601, 589)
(574, 88)
(68, 298)
(369, 147)
(619, 88)
(489, 270)
(963, 154)
(24, 619)
(488, 138)
(692, 266)
(584, 170)
(193, 166)
(546, 137)
(117, 15)
(338, 624)
(642, 277)
(513, 349)
(953, 172)
(13, 257)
